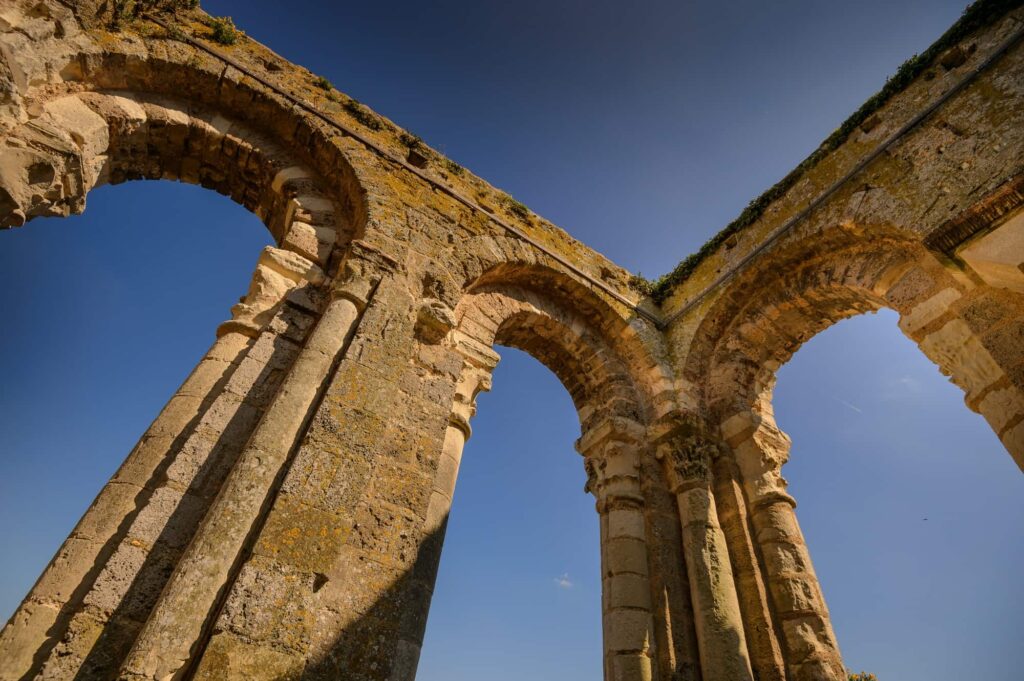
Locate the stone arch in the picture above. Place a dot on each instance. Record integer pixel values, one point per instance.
(965, 327)
(753, 328)
(51, 51)
(497, 261)
(108, 574)
(599, 383)
(503, 308)
(78, 142)
(772, 303)
(542, 310)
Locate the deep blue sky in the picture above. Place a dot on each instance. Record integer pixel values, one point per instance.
(642, 130)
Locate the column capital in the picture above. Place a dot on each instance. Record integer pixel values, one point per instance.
(611, 457)
(475, 353)
(278, 276)
(688, 448)
(614, 429)
(689, 458)
(760, 450)
(472, 381)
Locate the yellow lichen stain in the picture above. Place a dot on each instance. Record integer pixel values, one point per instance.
(291, 536)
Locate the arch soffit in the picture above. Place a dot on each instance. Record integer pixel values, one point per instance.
(756, 324)
(119, 136)
(492, 262)
(67, 61)
(606, 362)
(598, 382)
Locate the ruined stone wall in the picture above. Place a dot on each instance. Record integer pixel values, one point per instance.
(284, 514)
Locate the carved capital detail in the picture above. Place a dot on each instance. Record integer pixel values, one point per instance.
(279, 273)
(611, 459)
(690, 457)
(760, 450)
(688, 450)
(473, 381)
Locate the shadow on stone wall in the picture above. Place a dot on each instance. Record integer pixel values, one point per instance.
(384, 641)
(84, 615)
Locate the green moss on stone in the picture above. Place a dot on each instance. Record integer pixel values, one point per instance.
(453, 167)
(516, 208)
(362, 114)
(224, 31)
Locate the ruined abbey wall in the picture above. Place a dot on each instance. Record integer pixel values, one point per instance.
(284, 514)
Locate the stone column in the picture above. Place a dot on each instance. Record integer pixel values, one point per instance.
(93, 598)
(190, 599)
(611, 454)
(66, 580)
(674, 623)
(336, 581)
(720, 634)
(758, 624)
(810, 650)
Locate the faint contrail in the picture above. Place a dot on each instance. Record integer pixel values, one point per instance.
(851, 406)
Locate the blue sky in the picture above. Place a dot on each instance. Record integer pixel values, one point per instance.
(642, 129)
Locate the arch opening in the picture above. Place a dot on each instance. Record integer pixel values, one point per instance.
(613, 411)
(902, 494)
(519, 587)
(780, 592)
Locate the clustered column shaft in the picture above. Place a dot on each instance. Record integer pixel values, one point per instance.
(57, 592)
(190, 598)
(720, 635)
(810, 649)
(759, 626)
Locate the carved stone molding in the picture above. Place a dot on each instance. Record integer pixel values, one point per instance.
(611, 457)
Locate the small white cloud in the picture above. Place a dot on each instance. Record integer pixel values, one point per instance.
(564, 582)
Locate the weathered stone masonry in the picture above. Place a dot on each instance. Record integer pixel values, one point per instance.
(284, 514)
